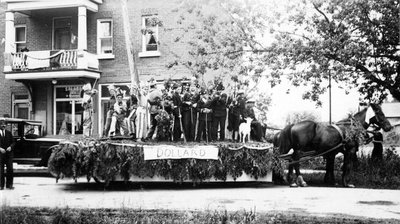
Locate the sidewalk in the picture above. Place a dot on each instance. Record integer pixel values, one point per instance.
(318, 201)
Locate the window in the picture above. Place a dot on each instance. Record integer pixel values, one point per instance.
(20, 37)
(68, 111)
(105, 38)
(150, 42)
(21, 105)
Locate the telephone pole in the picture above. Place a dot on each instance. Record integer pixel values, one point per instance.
(330, 97)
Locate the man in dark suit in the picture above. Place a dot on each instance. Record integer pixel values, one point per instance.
(177, 101)
(6, 156)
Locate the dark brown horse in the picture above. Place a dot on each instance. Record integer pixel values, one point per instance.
(309, 137)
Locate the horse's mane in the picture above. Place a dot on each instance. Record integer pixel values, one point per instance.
(359, 116)
(285, 139)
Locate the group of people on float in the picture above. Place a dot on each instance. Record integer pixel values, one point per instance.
(179, 112)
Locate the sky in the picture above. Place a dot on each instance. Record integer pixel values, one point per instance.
(283, 104)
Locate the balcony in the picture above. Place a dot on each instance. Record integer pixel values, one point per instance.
(62, 64)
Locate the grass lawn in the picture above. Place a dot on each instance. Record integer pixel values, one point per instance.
(13, 215)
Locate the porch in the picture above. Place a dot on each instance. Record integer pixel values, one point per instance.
(45, 39)
(50, 64)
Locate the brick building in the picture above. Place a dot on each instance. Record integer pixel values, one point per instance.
(52, 47)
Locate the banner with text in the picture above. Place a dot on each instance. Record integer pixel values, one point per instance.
(152, 152)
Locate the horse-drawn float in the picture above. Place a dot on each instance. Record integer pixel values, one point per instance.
(108, 160)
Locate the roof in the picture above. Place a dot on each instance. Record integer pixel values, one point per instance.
(391, 110)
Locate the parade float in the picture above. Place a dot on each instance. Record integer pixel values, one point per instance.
(116, 158)
(106, 160)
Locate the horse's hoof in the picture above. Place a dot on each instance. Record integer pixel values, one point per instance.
(293, 185)
(304, 184)
(300, 182)
(350, 186)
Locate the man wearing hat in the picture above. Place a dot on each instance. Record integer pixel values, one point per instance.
(154, 99)
(236, 109)
(256, 126)
(118, 118)
(6, 156)
(219, 105)
(195, 97)
(176, 111)
(110, 106)
(205, 117)
(187, 118)
(132, 105)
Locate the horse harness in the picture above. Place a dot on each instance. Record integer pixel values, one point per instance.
(342, 143)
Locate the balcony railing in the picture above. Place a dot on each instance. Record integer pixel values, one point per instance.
(50, 60)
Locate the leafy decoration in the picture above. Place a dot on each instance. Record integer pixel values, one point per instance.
(107, 162)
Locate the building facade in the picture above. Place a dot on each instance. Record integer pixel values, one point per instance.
(51, 48)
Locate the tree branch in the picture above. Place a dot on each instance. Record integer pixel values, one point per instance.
(371, 76)
(322, 13)
(392, 57)
(238, 51)
(294, 34)
(362, 68)
(241, 28)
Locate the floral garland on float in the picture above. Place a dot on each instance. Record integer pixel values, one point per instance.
(111, 160)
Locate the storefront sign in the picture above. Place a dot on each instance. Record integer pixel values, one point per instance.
(66, 92)
(152, 152)
(74, 91)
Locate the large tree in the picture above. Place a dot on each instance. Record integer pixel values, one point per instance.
(355, 42)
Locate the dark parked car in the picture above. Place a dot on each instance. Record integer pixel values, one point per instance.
(30, 147)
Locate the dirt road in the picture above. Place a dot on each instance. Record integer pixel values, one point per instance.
(45, 192)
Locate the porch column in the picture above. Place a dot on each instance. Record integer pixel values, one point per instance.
(9, 44)
(82, 28)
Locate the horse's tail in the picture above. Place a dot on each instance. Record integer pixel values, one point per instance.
(284, 141)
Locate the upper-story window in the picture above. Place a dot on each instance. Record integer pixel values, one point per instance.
(150, 41)
(20, 37)
(105, 38)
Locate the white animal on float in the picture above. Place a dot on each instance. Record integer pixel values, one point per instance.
(244, 129)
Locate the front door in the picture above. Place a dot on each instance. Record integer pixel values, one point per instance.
(62, 34)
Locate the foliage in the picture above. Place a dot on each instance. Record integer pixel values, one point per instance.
(13, 215)
(150, 23)
(379, 174)
(367, 173)
(21, 215)
(318, 163)
(296, 117)
(355, 132)
(218, 42)
(164, 124)
(392, 137)
(107, 161)
(354, 42)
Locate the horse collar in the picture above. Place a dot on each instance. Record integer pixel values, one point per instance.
(339, 130)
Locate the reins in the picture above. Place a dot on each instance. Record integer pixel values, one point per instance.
(312, 157)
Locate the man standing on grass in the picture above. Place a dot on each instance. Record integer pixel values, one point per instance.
(6, 156)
